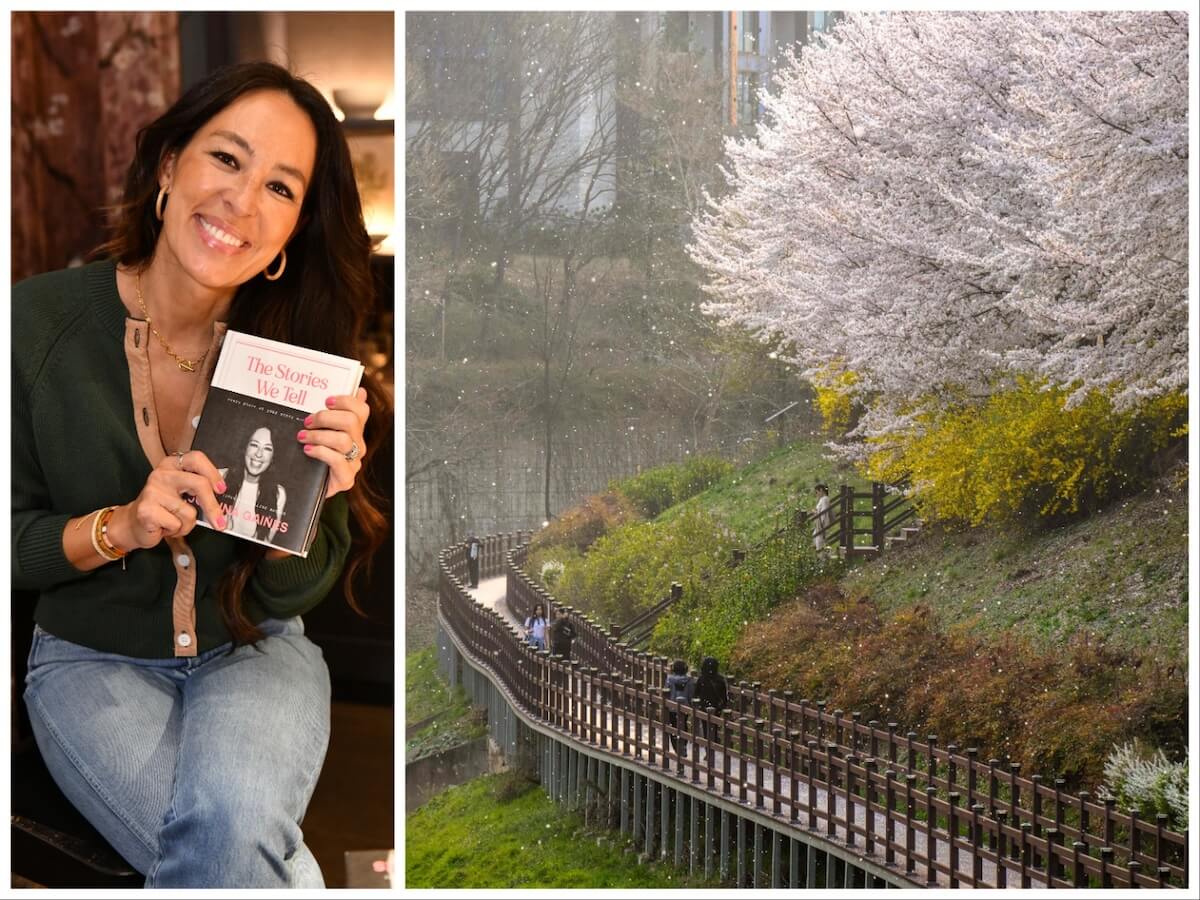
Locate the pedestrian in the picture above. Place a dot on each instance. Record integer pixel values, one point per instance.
(680, 688)
(562, 633)
(711, 692)
(473, 553)
(822, 517)
(535, 628)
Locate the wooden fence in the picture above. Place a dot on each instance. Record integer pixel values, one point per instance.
(961, 820)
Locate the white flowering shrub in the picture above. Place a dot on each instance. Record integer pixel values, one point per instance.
(552, 571)
(1149, 784)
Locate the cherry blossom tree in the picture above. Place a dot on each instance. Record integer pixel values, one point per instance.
(941, 201)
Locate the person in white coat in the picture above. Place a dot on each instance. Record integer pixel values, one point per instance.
(822, 517)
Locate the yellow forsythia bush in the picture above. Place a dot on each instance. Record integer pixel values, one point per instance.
(834, 387)
(1022, 453)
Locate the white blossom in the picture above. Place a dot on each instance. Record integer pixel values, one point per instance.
(938, 201)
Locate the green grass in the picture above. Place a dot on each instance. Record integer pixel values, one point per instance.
(1119, 576)
(754, 500)
(445, 717)
(479, 835)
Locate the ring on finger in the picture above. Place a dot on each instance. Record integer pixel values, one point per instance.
(179, 458)
(353, 453)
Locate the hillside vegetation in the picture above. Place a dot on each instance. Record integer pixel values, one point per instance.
(1048, 643)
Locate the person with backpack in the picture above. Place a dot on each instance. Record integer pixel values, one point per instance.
(535, 628)
(562, 633)
(711, 691)
(680, 688)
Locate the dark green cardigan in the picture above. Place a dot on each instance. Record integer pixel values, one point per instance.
(75, 449)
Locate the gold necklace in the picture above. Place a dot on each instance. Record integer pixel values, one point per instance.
(185, 365)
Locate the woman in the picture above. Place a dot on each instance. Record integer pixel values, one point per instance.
(255, 501)
(535, 627)
(171, 689)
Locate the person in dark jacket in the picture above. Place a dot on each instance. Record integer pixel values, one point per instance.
(562, 633)
(711, 692)
(680, 688)
(711, 689)
(474, 549)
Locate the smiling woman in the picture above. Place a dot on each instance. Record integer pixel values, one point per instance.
(174, 697)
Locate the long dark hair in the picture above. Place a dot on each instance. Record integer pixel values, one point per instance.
(321, 301)
(268, 489)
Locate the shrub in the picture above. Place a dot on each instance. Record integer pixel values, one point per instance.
(551, 571)
(650, 492)
(835, 392)
(1023, 453)
(709, 622)
(697, 475)
(581, 525)
(1058, 714)
(1150, 784)
(656, 489)
(630, 569)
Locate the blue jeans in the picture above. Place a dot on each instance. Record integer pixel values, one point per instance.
(197, 770)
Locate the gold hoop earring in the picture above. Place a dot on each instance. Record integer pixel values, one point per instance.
(158, 204)
(282, 265)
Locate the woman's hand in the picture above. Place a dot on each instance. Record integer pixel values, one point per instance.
(162, 509)
(332, 433)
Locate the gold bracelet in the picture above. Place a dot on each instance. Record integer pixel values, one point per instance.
(94, 533)
(100, 541)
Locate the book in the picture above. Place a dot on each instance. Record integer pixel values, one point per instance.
(261, 393)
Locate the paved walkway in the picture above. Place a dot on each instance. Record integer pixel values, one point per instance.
(491, 593)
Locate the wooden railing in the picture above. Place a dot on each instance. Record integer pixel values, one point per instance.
(940, 815)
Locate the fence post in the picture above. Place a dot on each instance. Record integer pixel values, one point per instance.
(846, 502)
(1002, 852)
(877, 515)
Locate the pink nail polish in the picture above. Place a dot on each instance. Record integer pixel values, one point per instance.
(221, 487)
(308, 448)
(329, 401)
(221, 522)
(308, 422)
(301, 435)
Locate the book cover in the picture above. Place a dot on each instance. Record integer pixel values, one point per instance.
(261, 393)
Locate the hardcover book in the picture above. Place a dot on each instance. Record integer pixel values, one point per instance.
(261, 393)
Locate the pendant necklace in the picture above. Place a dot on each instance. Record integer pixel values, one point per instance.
(185, 365)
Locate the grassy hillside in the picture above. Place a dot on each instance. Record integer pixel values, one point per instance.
(753, 500)
(501, 831)
(1120, 577)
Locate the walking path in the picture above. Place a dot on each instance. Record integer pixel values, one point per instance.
(491, 593)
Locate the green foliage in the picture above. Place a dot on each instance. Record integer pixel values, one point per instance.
(631, 568)
(495, 832)
(656, 489)
(709, 621)
(581, 525)
(1024, 453)
(651, 491)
